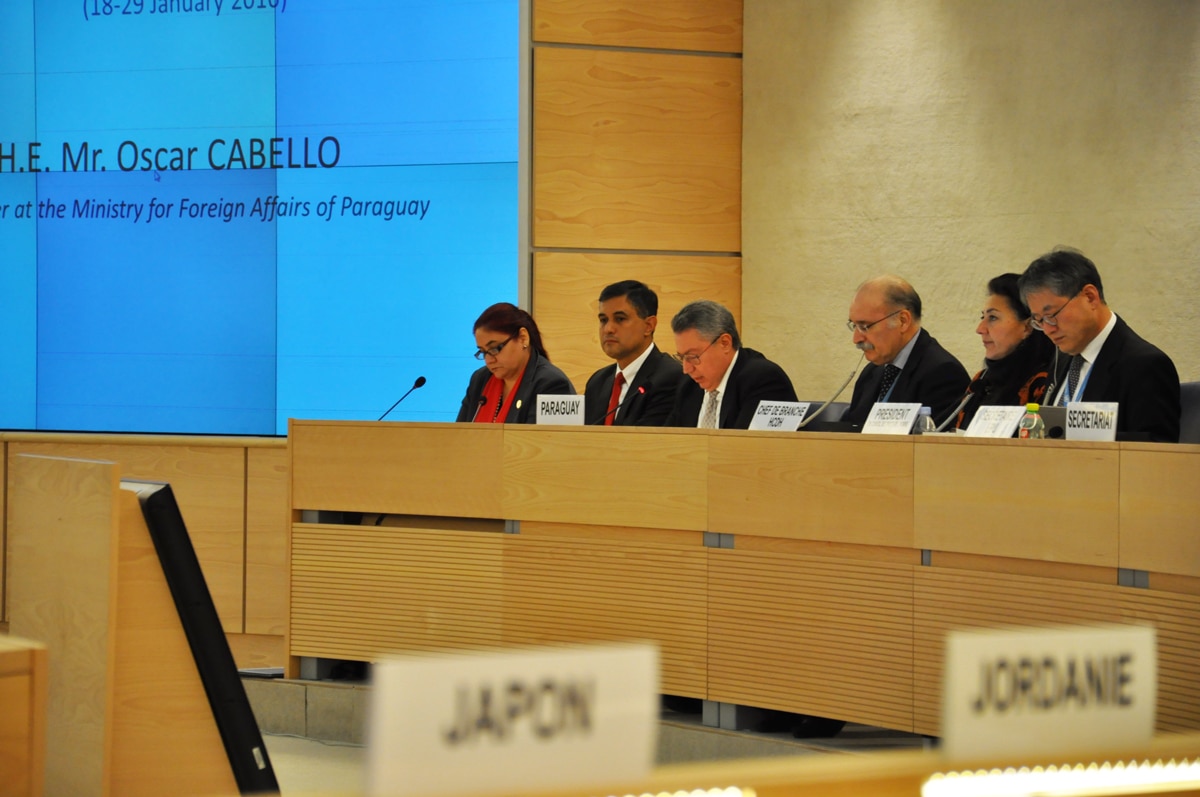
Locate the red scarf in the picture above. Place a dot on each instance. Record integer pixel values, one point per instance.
(491, 410)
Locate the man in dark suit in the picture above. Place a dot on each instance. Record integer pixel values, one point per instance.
(906, 363)
(1107, 360)
(727, 381)
(639, 388)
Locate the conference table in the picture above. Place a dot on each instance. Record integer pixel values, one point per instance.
(808, 572)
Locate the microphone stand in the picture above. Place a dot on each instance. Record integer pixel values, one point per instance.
(809, 418)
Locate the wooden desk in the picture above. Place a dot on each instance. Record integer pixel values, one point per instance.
(812, 573)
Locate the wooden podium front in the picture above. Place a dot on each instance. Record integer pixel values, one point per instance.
(811, 573)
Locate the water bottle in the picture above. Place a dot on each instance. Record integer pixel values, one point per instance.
(1032, 427)
(925, 423)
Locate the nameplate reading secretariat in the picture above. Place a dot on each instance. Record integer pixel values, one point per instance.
(513, 721)
(1048, 690)
(779, 416)
(891, 418)
(1092, 420)
(559, 410)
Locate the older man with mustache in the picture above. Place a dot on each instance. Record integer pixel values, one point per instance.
(906, 363)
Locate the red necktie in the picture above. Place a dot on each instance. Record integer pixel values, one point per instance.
(614, 400)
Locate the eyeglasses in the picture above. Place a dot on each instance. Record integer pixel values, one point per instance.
(859, 326)
(1050, 319)
(493, 351)
(694, 359)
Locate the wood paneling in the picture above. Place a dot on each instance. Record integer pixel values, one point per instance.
(1176, 619)
(566, 286)
(956, 599)
(713, 25)
(650, 478)
(24, 672)
(812, 635)
(1160, 527)
(608, 586)
(636, 151)
(352, 466)
(972, 496)
(361, 592)
(812, 486)
(266, 540)
(209, 483)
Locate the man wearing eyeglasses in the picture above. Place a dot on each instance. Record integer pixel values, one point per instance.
(726, 380)
(639, 389)
(905, 363)
(1107, 360)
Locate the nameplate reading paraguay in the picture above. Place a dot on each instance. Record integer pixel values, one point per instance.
(513, 721)
(559, 410)
(1027, 691)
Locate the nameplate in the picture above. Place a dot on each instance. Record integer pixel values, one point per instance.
(559, 410)
(1092, 420)
(1046, 691)
(779, 416)
(513, 721)
(995, 421)
(891, 418)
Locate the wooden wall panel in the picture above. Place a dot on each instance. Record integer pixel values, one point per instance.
(812, 635)
(612, 585)
(1159, 524)
(713, 25)
(966, 495)
(382, 589)
(812, 486)
(636, 151)
(575, 476)
(566, 286)
(209, 483)
(266, 540)
(24, 673)
(947, 599)
(1176, 619)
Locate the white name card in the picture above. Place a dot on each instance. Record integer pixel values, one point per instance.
(513, 721)
(559, 410)
(995, 421)
(1092, 420)
(891, 418)
(779, 416)
(1048, 690)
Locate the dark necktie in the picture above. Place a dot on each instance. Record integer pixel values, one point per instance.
(614, 400)
(1073, 378)
(890, 372)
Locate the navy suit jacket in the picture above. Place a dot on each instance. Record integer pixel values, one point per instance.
(754, 379)
(659, 377)
(1140, 378)
(541, 377)
(931, 377)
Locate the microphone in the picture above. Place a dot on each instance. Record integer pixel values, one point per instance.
(812, 416)
(420, 381)
(966, 397)
(641, 391)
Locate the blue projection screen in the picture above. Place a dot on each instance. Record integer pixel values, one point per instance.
(216, 215)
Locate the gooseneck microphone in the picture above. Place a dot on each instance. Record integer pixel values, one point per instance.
(420, 381)
(809, 418)
(641, 391)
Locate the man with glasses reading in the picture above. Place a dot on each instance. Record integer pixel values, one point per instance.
(726, 380)
(906, 363)
(1107, 361)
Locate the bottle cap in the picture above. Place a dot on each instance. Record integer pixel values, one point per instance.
(1031, 407)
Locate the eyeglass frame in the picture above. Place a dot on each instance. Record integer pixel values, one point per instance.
(859, 326)
(1050, 319)
(694, 359)
(493, 351)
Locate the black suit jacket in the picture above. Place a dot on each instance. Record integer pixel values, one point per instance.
(754, 379)
(540, 377)
(659, 376)
(1140, 378)
(931, 377)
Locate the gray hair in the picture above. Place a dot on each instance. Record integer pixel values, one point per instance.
(1063, 272)
(710, 319)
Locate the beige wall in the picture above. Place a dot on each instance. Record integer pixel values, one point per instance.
(953, 141)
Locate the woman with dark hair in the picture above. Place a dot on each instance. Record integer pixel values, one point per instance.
(1016, 359)
(516, 369)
